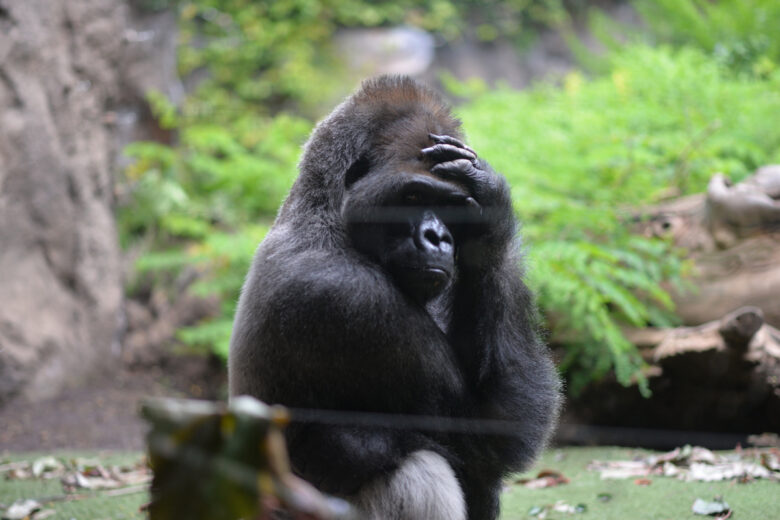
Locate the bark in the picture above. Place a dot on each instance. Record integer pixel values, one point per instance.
(741, 337)
(721, 376)
(721, 372)
(732, 234)
(69, 76)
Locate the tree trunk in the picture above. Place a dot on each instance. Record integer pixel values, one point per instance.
(61, 75)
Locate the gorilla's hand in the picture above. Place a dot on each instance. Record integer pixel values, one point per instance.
(489, 222)
(455, 161)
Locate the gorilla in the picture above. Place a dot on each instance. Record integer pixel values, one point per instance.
(391, 283)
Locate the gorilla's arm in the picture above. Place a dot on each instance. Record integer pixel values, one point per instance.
(508, 366)
(321, 325)
(511, 375)
(493, 327)
(493, 332)
(356, 454)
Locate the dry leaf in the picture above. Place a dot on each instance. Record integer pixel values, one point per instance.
(696, 464)
(546, 478)
(21, 509)
(715, 507)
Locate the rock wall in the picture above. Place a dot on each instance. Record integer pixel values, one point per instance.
(61, 77)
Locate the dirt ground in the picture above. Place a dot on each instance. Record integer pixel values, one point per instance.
(102, 412)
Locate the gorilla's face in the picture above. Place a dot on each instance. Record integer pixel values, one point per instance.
(403, 220)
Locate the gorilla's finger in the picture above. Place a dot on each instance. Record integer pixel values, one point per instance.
(459, 169)
(446, 139)
(447, 152)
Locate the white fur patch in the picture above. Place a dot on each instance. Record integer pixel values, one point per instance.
(424, 487)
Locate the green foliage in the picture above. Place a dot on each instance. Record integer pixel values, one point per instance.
(580, 157)
(199, 204)
(741, 34)
(203, 202)
(265, 55)
(263, 72)
(589, 290)
(215, 178)
(227, 257)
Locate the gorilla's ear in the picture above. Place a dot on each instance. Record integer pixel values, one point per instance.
(357, 170)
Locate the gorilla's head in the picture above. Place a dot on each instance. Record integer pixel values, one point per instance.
(366, 162)
(405, 219)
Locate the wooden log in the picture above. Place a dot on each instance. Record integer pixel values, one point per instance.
(732, 233)
(737, 332)
(720, 376)
(740, 346)
(720, 372)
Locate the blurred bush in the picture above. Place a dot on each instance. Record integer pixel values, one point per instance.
(259, 74)
(656, 122)
(741, 34)
(579, 157)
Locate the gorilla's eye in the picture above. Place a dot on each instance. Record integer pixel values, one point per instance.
(357, 170)
(412, 198)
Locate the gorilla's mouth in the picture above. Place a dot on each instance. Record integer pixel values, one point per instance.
(429, 277)
(436, 271)
(427, 270)
(435, 277)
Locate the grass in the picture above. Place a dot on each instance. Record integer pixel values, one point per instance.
(95, 506)
(664, 498)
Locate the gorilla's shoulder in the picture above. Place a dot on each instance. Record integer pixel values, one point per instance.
(311, 278)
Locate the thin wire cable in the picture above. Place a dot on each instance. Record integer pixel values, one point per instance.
(435, 423)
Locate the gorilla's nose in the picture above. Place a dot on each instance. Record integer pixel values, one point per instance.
(432, 235)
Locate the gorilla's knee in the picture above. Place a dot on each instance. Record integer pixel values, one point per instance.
(424, 487)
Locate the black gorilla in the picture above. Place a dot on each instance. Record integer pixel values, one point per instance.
(390, 282)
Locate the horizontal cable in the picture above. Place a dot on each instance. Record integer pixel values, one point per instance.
(407, 422)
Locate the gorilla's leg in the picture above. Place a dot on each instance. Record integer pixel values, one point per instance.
(424, 487)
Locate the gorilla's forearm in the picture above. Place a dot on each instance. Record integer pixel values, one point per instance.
(492, 316)
(356, 454)
(507, 364)
(361, 348)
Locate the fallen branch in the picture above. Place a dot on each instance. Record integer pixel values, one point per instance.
(732, 233)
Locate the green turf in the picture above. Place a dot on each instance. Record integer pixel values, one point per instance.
(665, 498)
(96, 507)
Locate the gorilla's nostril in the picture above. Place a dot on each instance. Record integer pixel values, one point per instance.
(431, 236)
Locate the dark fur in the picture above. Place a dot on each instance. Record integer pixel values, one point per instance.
(320, 325)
